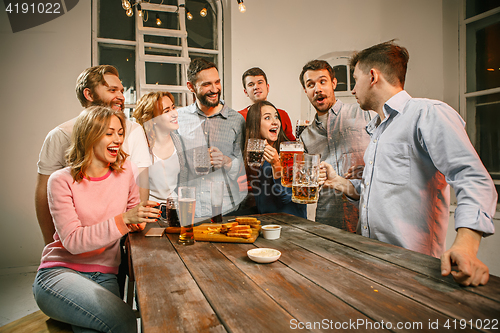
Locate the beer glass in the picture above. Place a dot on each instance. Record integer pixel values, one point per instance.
(305, 178)
(187, 203)
(287, 150)
(201, 159)
(300, 127)
(217, 194)
(255, 152)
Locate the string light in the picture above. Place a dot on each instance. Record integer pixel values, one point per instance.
(139, 9)
(126, 4)
(129, 12)
(203, 12)
(241, 6)
(158, 21)
(189, 15)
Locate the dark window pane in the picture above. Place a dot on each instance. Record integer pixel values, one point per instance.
(341, 76)
(476, 7)
(162, 40)
(168, 74)
(123, 58)
(488, 131)
(488, 57)
(353, 81)
(201, 30)
(167, 20)
(113, 22)
(209, 57)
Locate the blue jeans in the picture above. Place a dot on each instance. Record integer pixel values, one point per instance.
(90, 302)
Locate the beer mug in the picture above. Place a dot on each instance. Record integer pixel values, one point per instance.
(255, 152)
(300, 127)
(201, 159)
(168, 217)
(305, 187)
(287, 150)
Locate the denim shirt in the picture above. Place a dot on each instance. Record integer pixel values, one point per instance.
(342, 144)
(224, 130)
(414, 153)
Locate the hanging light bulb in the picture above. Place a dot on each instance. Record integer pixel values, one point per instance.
(158, 21)
(203, 12)
(241, 6)
(139, 10)
(126, 4)
(129, 12)
(189, 16)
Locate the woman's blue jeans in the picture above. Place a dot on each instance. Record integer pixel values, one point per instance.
(90, 302)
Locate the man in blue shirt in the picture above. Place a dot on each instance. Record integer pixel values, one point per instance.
(417, 147)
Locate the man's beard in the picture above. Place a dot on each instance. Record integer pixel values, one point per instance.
(204, 100)
(99, 102)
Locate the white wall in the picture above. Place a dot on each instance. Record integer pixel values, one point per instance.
(281, 36)
(39, 68)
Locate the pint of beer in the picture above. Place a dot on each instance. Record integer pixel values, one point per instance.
(287, 151)
(187, 204)
(305, 178)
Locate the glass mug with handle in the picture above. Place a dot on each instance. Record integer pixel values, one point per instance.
(305, 187)
(201, 158)
(287, 150)
(300, 127)
(255, 152)
(187, 203)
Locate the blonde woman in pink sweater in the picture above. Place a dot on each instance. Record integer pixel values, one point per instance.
(92, 202)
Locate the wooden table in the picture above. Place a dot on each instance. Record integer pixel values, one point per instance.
(325, 279)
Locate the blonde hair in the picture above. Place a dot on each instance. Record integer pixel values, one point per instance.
(145, 111)
(89, 128)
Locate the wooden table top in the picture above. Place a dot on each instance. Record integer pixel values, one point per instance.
(325, 279)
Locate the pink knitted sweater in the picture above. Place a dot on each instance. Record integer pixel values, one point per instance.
(88, 220)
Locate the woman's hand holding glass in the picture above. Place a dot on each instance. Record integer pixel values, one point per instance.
(144, 212)
(272, 157)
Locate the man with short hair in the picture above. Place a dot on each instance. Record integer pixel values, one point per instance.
(338, 134)
(209, 123)
(256, 88)
(98, 85)
(417, 147)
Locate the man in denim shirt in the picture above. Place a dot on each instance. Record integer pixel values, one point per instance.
(418, 147)
(338, 134)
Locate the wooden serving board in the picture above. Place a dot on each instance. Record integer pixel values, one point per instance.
(203, 237)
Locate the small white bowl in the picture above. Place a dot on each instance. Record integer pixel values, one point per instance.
(264, 255)
(271, 231)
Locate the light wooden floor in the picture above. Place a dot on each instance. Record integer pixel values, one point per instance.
(36, 322)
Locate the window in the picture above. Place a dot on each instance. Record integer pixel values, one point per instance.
(480, 91)
(152, 51)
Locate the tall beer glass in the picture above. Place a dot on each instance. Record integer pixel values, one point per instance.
(217, 194)
(186, 203)
(305, 178)
(201, 159)
(287, 150)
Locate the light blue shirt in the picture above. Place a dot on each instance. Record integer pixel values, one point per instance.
(414, 153)
(224, 130)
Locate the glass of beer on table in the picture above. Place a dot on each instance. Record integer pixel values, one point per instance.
(186, 203)
(305, 178)
(201, 158)
(255, 152)
(217, 194)
(287, 150)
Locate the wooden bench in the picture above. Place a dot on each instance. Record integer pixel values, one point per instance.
(37, 322)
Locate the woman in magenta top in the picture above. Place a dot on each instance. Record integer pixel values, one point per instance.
(92, 202)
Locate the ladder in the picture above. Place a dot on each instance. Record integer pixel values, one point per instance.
(142, 58)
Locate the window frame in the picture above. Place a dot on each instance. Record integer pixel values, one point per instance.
(96, 41)
(467, 103)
